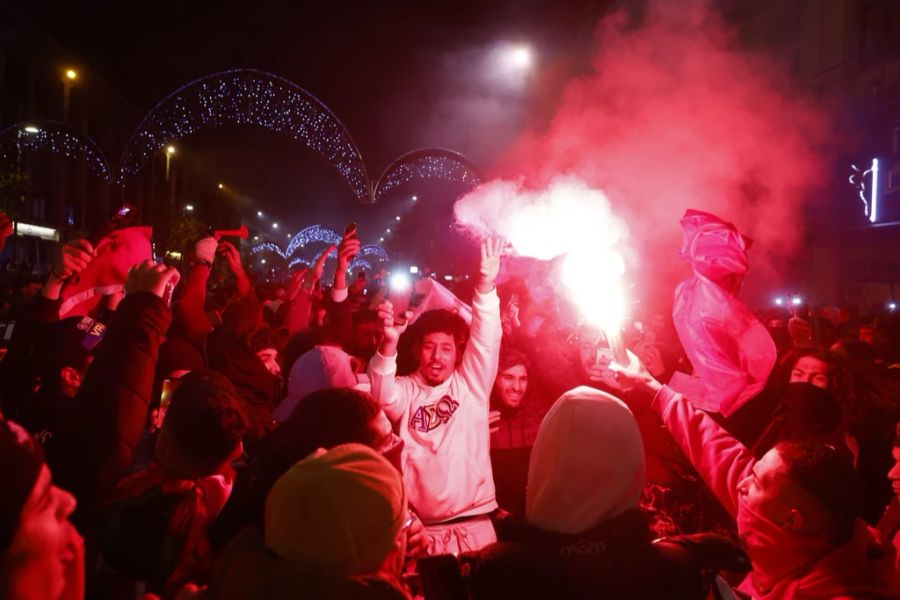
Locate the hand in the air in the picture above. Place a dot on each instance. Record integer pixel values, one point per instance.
(489, 268)
(76, 255)
(151, 277)
(391, 328)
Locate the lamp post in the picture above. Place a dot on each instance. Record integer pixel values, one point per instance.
(69, 77)
(170, 151)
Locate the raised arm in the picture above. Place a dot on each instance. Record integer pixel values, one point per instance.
(190, 308)
(722, 461)
(479, 362)
(115, 396)
(383, 366)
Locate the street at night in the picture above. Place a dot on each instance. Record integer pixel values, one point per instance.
(586, 299)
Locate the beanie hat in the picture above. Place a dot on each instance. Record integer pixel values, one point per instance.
(21, 459)
(340, 510)
(587, 464)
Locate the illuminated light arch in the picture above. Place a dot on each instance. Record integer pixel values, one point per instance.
(427, 163)
(373, 250)
(268, 247)
(360, 263)
(312, 234)
(299, 261)
(248, 97)
(53, 137)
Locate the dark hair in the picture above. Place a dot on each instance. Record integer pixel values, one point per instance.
(327, 418)
(510, 357)
(841, 383)
(442, 321)
(828, 475)
(205, 417)
(263, 339)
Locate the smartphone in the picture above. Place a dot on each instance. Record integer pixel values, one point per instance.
(350, 234)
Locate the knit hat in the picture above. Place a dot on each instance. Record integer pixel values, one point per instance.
(21, 459)
(340, 510)
(587, 464)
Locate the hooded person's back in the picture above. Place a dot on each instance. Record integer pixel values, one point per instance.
(584, 536)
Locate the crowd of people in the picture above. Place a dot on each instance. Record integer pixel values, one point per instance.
(201, 435)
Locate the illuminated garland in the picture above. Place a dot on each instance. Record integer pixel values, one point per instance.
(429, 163)
(309, 235)
(55, 138)
(248, 97)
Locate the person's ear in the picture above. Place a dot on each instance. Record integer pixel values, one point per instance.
(794, 521)
(70, 377)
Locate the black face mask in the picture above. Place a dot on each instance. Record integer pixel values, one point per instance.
(394, 453)
(810, 408)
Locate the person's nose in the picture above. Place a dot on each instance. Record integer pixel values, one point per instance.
(66, 503)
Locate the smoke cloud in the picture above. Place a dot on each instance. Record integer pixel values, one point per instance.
(673, 115)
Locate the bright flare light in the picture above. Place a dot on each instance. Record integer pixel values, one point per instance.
(274, 225)
(189, 207)
(779, 301)
(796, 300)
(414, 270)
(170, 150)
(71, 74)
(31, 129)
(892, 306)
(400, 282)
(595, 284)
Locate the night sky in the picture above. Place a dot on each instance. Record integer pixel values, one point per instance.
(400, 75)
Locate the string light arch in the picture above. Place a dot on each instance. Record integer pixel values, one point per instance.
(55, 138)
(247, 97)
(427, 163)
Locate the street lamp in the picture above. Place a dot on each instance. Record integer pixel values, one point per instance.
(274, 225)
(259, 214)
(170, 150)
(221, 186)
(69, 77)
(189, 207)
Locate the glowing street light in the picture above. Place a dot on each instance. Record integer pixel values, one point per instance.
(380, 239)
(397, 217)
(274, 225)
(259, 214)
(189, 207)
(414, 198)
(31, 129)
(388, 230)
(69, 77)
(170, 152)
(779, 301)
(221, 186)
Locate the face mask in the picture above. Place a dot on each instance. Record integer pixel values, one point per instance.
(776, 553)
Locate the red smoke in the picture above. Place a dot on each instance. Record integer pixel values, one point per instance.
(673, 116)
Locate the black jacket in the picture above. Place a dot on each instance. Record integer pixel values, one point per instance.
(616, 560)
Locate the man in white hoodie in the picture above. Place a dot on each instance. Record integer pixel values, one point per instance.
(441, 412)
